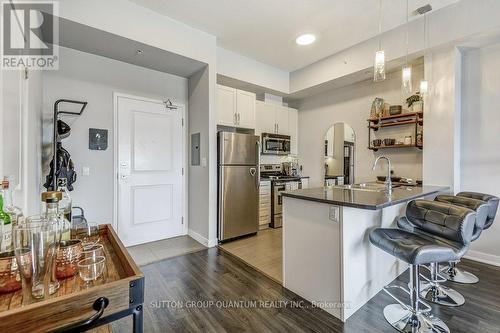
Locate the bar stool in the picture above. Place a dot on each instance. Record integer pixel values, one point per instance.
(431, 289)
(482, 209)
(446, 234)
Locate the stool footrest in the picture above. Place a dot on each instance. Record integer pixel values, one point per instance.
(395, 286)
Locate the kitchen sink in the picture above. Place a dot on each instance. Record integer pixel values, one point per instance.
(369, 187)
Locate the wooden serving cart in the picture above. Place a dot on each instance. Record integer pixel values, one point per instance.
(78, 307)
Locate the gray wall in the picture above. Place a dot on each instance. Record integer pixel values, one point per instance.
(351, 105)
(94, 79)
(480, 139)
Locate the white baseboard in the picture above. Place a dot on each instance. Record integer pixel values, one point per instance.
(486, 258)
(202, 240)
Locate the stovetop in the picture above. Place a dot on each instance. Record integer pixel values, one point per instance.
(279, 177)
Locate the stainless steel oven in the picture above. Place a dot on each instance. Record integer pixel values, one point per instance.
(279, 186)
(275, 144)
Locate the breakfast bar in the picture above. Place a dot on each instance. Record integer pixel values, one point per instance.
(327, 257)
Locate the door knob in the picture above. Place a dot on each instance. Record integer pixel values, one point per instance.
(124, 176)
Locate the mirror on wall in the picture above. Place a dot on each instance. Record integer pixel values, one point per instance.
(339, 155)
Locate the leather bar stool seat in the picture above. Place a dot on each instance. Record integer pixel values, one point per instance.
(491, 200)
(446, 232)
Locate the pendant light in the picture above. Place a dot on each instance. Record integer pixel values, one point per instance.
(406, 85)
(424, 84)
(379, 67)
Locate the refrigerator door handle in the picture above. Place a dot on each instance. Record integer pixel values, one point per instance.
(253, 173)
(257, 153)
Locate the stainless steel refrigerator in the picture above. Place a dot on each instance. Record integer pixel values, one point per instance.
(238, 184)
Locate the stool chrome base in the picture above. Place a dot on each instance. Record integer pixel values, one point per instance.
(454, 274)
(439, 294)
(406, 321)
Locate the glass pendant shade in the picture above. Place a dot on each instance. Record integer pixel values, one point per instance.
(424, 86)
(379, 68)
(406, 76)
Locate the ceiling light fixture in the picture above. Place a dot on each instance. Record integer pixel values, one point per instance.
(305, 39)
(424, 84)
(379, 67)
(406, 85)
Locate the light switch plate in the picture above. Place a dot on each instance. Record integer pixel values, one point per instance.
(335, 214)
(85, 171)
(204, 162)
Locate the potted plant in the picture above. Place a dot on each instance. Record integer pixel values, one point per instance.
(415, 102)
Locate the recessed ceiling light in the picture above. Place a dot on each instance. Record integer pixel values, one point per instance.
(305, 39)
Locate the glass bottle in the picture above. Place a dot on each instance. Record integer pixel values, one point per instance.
(14, 212)
(6, 225)
(65, 204)
(52, 201)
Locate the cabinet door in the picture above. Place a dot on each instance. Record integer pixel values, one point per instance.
(293, 127)
(282, 120)
(226, 106)
(265, 118)
(245, 109)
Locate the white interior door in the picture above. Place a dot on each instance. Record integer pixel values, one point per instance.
(150, 170)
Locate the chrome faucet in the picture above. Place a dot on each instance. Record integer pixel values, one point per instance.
(388, 182)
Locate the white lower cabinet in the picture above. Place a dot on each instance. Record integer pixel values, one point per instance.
(264, 204)
(305, 182)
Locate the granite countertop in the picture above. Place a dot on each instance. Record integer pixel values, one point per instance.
(361, 198)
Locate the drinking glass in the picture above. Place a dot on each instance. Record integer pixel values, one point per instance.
(91, 269)
(68, 255)
(34, 220)
(35, 248)
(88, 233)
(94, 251)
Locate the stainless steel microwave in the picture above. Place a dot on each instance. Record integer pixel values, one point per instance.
(275, 144)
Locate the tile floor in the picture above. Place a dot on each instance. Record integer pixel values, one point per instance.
(264, 252)
(155, 251)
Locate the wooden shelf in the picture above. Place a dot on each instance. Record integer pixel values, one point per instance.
(396, 123)
(395, 146)
(397, 116)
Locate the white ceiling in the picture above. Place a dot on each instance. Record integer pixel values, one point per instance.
(265, 30)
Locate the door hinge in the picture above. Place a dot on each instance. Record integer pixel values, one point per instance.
(182, 220)
(183, 171)
(182, 121)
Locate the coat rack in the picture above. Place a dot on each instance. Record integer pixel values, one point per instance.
(57, 112)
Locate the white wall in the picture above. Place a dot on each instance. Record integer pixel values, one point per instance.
(245, 69)
(441, 160)
(82, 76)
(199, 175)
(480, 159)
(352, 105)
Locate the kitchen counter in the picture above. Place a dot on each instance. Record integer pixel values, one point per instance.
(327, 256)
(363, 199)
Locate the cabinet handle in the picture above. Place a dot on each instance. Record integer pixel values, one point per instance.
(239, 117)
(235, 119)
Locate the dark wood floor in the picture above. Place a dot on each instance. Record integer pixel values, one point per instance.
(211, 275)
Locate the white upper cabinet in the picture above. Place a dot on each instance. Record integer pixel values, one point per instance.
(282, 115)
(277, 119)
(293, 127)
(235, 107)
(265, 118)
(245, 109)
(226, 106)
